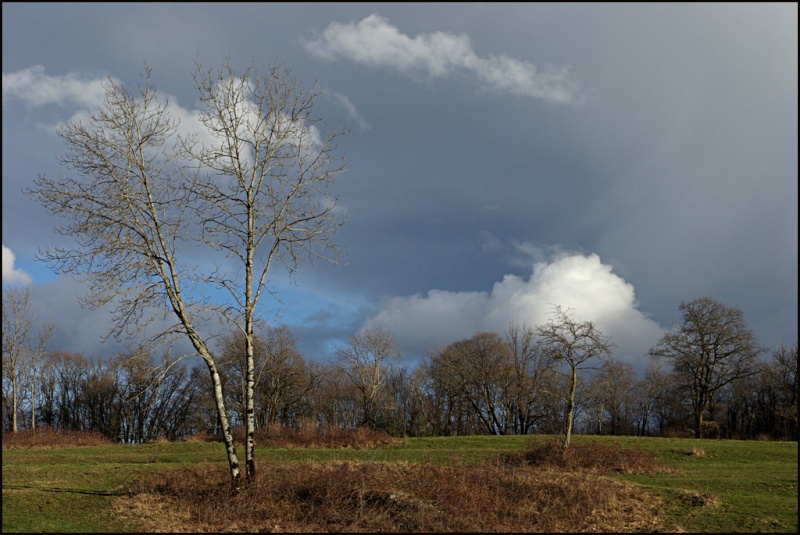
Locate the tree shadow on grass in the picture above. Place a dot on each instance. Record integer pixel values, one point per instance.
(65, 490)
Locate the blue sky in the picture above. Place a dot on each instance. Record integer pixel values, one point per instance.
(615, 159)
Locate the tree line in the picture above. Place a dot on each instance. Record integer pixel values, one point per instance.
(523, 381)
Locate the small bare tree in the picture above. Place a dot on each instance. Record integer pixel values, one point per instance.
(577, 345)
(24, 341)
(610, 394)
(144, 201)
(532, 368)
(17, 332)
(482, 367)
(648, 394)
(285, 379)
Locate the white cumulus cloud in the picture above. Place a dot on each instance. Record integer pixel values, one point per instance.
(83, 93)
(35, 88)
(12, 275)
(374, 42)
(578, 282)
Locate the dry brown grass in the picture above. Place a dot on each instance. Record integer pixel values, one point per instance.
(697, 452)
(47, 438)
(594, 458)
(511, 494)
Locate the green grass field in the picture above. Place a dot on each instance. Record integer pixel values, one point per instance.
(752, 485)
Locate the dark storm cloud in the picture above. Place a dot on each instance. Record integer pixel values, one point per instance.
(655, 145)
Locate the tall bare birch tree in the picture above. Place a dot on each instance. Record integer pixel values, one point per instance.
(265, 188)
(144, 204)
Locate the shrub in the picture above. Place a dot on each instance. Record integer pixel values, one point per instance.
(599, 458)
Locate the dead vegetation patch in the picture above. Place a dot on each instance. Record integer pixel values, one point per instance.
(595, 458)
(697, 452)
(700, 499)
(493, 496)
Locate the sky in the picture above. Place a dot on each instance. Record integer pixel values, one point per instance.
(503, 159)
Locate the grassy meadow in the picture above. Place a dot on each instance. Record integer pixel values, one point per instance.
(456, 484)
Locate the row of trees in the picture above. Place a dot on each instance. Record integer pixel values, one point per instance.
(529, 380)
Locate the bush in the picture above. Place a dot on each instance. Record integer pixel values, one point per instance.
(598, 458)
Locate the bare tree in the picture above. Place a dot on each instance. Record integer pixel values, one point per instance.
(711, 349)
(445, 403)
(143, 202)
(610, 394)
(648, 395)
(25, 338)
(406, 416)
(285, 380)
(783, 375)
(483, 367)
(574, 344)
(46, 330)
(265, 188)
(367, 359)
(531, 369)
(281, 376)
(62, 382)
(18, 324)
